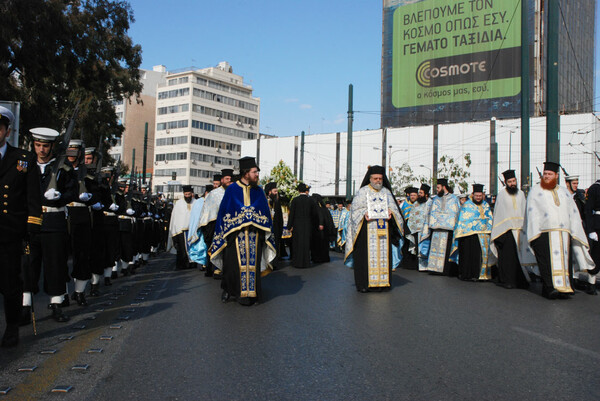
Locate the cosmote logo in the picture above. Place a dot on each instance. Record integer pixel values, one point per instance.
(431, 73)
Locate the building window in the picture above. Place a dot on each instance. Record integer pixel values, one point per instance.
(181, 172)
(171, 156)
(183, 80)
(172, 125)
(176, 140)
(173, 93)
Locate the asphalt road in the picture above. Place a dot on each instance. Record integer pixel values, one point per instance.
(313, 337)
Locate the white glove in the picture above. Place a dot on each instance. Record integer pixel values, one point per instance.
(114, 207)
(593, 236)
(52, 194)
(97, 206)
(84, 197)
(130, 212)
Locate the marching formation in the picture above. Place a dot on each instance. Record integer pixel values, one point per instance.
(58, 201)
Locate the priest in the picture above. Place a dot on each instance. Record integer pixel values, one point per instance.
(509, 242)
(409, 254)
(555, 233)
(243, 245)
(180, 221)
(439, 228)
(302, 221)
(197, 248)
(208, 217)
(272, 193)
(592, 227)
(374, 225)
(418, 215)
(472, 238)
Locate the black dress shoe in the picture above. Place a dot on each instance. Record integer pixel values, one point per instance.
(218, 275)
(58, 315)
(80, 298)
(11, 336)
(107, 281)
(550, 294)
(224, 296)
(94, 290)
(591, 289)
(114, 275)
(64, 304)
(25, 317)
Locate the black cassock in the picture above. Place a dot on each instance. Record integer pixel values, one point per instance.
(302, 220)
(469, 257)
(510, 273)
(322, 238)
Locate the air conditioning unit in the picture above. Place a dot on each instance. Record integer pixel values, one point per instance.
(219, 119)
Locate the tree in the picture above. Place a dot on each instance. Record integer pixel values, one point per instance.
(403, 177)
(55, 52)
(457, 175)
(287, 182)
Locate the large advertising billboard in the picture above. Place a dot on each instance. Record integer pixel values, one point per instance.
(450, 61)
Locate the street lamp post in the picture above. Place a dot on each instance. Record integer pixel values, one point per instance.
(390, 153)
(430, 172)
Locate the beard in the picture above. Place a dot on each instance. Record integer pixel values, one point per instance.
(512, 190)
(440, 193)
(477, 202)
(188, 200)
(273, 197)
(377, 186)
(422, 199)
(550, 185)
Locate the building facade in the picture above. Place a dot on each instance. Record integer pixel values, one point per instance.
(202, 117)
(134, 114)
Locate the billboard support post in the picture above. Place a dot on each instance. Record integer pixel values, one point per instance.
(493, 158)
(552, 117)
(525, 162)
(435, 155)
(349, 153)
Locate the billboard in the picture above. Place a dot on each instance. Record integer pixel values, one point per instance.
(450, 61)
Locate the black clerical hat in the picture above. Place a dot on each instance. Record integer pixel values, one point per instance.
(411, 190)
(443, 181)
(187, 188)
(376, 170)
(302, 187)
(477, 188)
(209, 188)
(270, 186)
(425, 188)
(227, 172)
(248, 162)
(508, 174)
(551, 166)
(217, 177)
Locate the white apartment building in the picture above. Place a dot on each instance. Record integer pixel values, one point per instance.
(202, 117)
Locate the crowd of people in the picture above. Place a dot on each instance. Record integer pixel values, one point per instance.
(57, 204)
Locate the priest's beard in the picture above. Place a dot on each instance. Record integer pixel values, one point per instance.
(377, 186)
(477, 202)
(441, 193)
(422, 199)
(550, 185)
(512, 190)
(188, 200)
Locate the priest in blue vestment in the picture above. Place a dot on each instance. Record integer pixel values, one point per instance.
(243, 245)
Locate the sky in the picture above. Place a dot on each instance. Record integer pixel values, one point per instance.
(299, 56)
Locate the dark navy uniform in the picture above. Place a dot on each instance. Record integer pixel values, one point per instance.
(20, 217)
(592, 222)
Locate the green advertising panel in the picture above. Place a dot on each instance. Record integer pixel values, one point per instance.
(448, 51)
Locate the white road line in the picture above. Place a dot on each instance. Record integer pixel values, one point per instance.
(555, 341)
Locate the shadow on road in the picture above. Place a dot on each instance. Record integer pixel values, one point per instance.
(278, 284)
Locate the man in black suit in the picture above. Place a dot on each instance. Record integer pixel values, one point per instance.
(20, 219)
(302, 222)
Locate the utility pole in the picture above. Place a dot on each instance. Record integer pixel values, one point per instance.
(525, 152)
(132, 171)
(302, 156)
(493, 158)
(349, 154)
(552, 116)
(145, 154)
